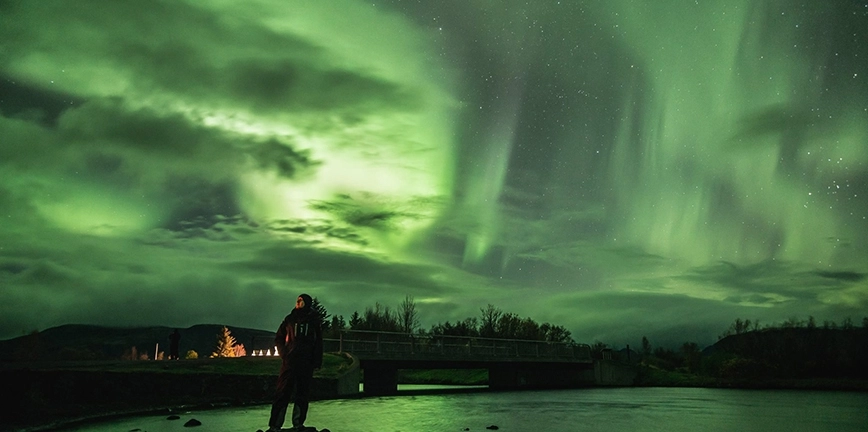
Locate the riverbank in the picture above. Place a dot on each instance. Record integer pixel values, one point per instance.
(61, 394)
(651, 377)
(50, 395)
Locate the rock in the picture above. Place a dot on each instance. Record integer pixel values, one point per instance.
(492, 427)
(173, 417)
(192, 423)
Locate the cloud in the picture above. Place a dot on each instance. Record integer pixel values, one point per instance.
(666, 319)
(283, 159)
(373, 211)
(174, 157)
(843, 276)
(787, 279)
(314, 264)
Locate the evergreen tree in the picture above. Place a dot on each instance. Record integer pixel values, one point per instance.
(321, 310)
(225, 344)
(355, 321)
(335, 326)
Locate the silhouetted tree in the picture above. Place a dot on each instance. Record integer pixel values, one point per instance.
(355, 320)
(379, 318)
(792, 322)
(408, 317)
(488, 322)
(555, 333)
(847, 324)
(646, 347)
(692, 356)
(335, 327)
(323, 313)
(737, 327)
(597, 350)
(468, 327)
(528, 329)
(494, 323)
(507, 326)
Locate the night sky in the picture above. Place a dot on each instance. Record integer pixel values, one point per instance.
(623, 168)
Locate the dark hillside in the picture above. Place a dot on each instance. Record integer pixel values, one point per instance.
(88, 342)
(793, 353)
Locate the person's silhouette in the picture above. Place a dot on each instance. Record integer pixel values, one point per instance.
(299, 343)
(174, 341)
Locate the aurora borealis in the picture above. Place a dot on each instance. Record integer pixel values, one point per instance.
(621, 168)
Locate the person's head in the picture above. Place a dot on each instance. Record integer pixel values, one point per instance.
(303, 302)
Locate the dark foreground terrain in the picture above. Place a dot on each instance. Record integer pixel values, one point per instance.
(48, 395)
(75, 373)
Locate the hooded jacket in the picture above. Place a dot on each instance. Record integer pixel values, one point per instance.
(299, 338)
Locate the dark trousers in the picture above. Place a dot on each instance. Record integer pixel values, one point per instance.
(293, 384)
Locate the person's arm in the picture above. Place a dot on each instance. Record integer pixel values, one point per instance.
(280, 338)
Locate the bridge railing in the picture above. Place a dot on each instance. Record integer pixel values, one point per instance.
(403, 345)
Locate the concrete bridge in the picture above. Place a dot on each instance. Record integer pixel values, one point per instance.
(511, 363)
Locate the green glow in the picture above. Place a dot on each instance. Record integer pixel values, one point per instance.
(98, 215)
(571, 161)
(711, 69)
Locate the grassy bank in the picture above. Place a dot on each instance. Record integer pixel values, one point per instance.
(333, 366)
(444, 376)
(653, 377)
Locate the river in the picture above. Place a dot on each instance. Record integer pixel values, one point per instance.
(597, 409)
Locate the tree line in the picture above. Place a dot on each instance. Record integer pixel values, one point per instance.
(492, 322)
(746, 350)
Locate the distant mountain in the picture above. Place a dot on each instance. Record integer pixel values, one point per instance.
(90, 342)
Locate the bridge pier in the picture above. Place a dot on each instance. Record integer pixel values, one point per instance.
(519, 376)
(380, 380)
(504, 378)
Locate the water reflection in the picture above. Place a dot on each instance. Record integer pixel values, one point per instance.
(634, 409)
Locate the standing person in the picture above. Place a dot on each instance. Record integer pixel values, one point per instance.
(299, 342)
(174, 340)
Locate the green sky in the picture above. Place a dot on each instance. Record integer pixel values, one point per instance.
(622, 168)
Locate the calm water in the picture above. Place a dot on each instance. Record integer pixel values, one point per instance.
(621, 409)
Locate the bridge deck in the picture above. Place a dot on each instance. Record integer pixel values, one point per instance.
(368, 345)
